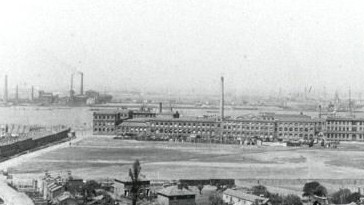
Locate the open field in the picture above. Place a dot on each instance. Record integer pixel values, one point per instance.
(102, 157)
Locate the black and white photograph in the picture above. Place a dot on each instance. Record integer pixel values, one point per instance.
(181, 102)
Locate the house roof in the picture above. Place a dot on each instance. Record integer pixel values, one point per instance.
(175, 191)
(55, 188)
(64, 196)
(241, 195)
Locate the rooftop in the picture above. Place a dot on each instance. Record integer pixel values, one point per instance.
(185, 119)
(175, 191)
(341, 118)
(241, 195)
(112, 111)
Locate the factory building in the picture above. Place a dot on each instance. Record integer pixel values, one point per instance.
(248, 126)
(110, 122)
(134, 127)
(266, 126)
(105, 122)
(295, 127)
(345, 129)
(202, 128)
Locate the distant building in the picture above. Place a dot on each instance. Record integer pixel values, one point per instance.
(176, 195)
(249, 128)
(105, 122)
(97, 98)
(298, 127)
(46, 98)
(143, 114)
(201, 128)
(344, 129)
(134, 127)
(239, 197)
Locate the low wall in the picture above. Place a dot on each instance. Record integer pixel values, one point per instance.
(31, 143)
(283, 182)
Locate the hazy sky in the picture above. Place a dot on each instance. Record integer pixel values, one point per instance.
(184, 44)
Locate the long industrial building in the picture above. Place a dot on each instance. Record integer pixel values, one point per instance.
(266, 126)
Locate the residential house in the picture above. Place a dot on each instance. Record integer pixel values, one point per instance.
(239, 197)
(176, 195)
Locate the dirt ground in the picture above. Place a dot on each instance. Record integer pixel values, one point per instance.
(104, 157)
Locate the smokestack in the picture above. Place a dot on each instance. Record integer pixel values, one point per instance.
(320, 111)
(160, 107)
(16, 94)
(6, 90)
(222, 99)
(32, 94)
(81, 89)
(71, 88)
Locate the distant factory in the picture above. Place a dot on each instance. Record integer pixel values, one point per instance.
(45, 98)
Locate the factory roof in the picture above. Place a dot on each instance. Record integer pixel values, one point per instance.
(298, 119)
(241, 195)
(344, 119)
(185, 119)
(111, 111)
(175, 191)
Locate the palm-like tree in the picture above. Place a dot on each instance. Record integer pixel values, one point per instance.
(135, 184)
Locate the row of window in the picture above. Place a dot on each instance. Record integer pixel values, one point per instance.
(345, 123)
(342, 136)
(291, 129)
(250, 123)
(184, 124)
(104, 124)
(296, 124)
(103, 129)
(104, 117)
(249, 133)
(294, 135)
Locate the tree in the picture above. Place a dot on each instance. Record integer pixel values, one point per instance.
(320, 191)
(314, 188)
(275, 199)
(344, 196)
(260, 190)
(135, 184)
(216, 199)
(107, 200)
(89, 188)
(200, 187)
(354, 197)
(292, 199)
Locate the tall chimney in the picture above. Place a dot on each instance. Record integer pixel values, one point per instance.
(160, 107)
(6, 90)
(71, 88)
(32, 94)
(16, 94)
(320, 111)
(81, 89)
(222, 99)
